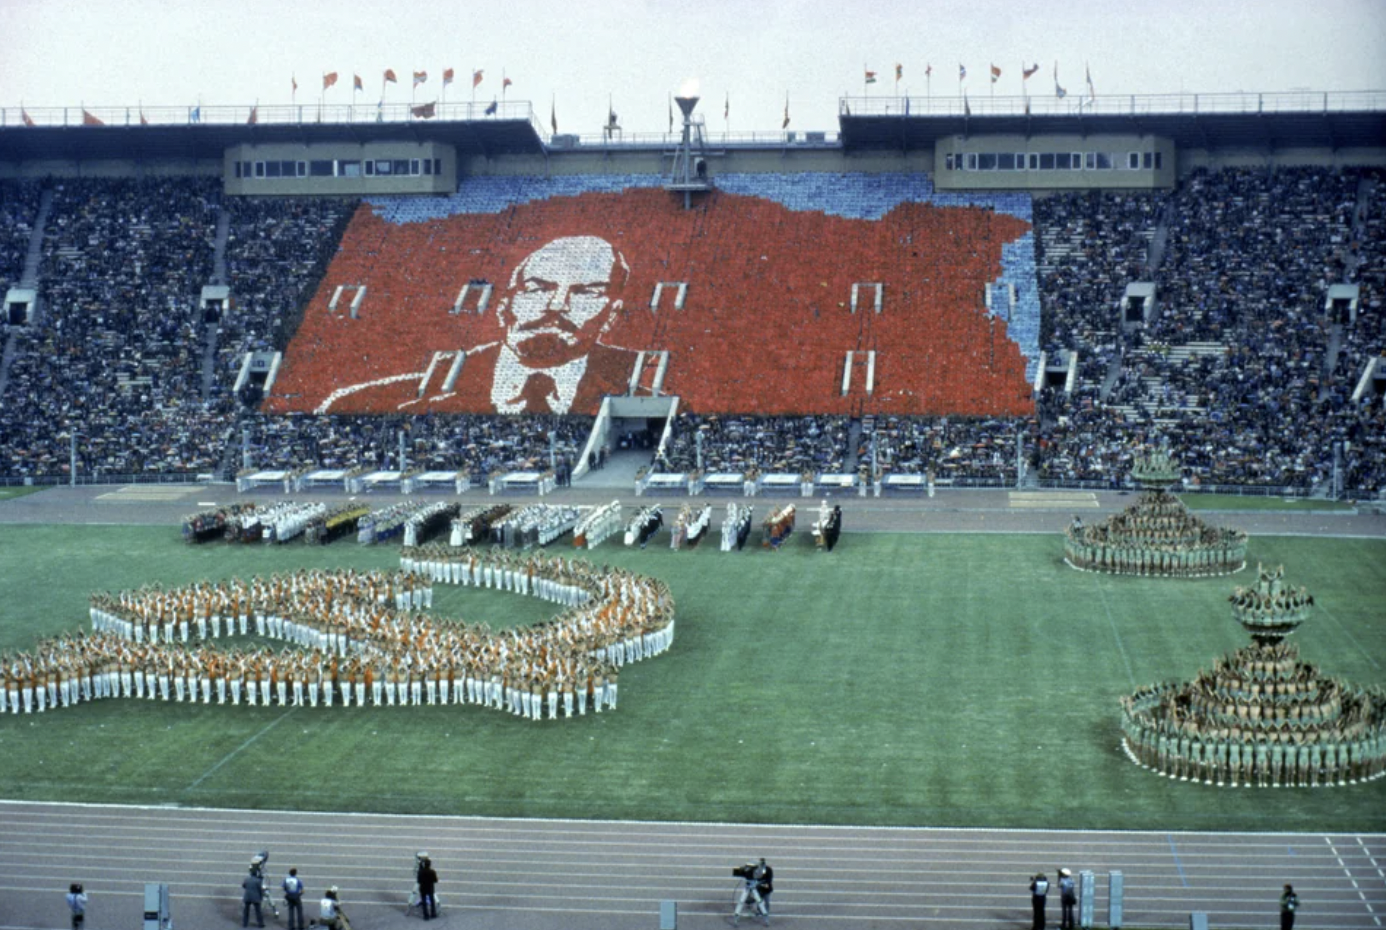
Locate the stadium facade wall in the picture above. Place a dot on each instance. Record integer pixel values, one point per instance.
(249, 181)
(955, 160)
(780, 160)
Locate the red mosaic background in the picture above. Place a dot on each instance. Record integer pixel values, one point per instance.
(766, 322)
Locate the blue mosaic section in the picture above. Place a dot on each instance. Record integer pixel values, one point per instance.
(849, 195)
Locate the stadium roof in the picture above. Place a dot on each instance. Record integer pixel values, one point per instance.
(1268, 121)
(1255, 121)
(73, 133)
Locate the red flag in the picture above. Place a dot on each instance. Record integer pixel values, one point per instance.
(390, 76)
(356, 82)
(506, 82)
(476, 78)
(424, 110)
(254, 116)
(143, 120)
(420, 77)
(28, 120)
(995, 73)
(871, 77)
(1027, 73)
(447, 77)
(89, 120)
(329, 79)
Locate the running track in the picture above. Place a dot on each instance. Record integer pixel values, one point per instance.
(596, 875)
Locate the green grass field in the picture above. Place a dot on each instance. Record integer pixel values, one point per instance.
(11, 493)
(1247, 502)
(966, 680)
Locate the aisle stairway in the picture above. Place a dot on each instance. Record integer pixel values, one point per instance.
(29, 279)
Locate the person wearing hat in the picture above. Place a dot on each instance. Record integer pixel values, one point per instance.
(1068, 897)
(1039, 890)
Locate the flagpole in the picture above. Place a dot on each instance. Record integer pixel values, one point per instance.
(473, 92)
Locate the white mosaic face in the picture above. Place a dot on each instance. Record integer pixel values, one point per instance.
(559, 300)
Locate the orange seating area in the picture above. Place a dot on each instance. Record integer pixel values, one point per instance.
(765, 327)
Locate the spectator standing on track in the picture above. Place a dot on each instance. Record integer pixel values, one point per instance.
(293, 898)
(77, 903)
(428, 888)
(1068, 896)
(1039, 890)
(252, 893)
(1289, 903)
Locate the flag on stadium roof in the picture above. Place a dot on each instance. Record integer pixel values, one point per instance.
(995, 74)
(254, 116)
(424, 110)
(967, 107)
(420, 77)
(476, 77)
(144, 121)
(871, 77)
(1058, 90)
(1092, 92)
(1027, 73)
(726, 107)
(785, 124)
(491, 110)
(356, 83)
(90, 120)
(28, 120)
(962, 71)
(899, 71)
(195, 114)
(390, 76)
(447, 77)
(293, 84)
(506, 82)
(553, 116)
(928, 70)
(329, 79)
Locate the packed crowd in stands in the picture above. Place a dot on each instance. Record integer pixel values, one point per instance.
(19, 204)
(120, 354)
(481, 445)
(773, 444)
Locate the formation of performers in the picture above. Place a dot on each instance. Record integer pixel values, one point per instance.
(1336, 737)
(600, 524)
(359, 637)
(1155, 536)
(778, 527)
(736, 528)
(690, 526)
(1270, 604)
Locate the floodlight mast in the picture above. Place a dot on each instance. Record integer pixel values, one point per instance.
(689, 172)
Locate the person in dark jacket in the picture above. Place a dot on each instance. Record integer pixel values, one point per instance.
(1039, 890)
(428, 885)
(252, 893)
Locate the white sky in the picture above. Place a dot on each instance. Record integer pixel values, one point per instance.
(177, 52)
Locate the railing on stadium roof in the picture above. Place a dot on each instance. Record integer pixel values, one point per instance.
(357, 114)
(1075, 104)
(265, 115)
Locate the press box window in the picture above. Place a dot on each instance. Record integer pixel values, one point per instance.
(970, 161)
(320, 169)
(986, 161)
(348, 169)
(1046, 161)
(1061, 161)
(1103, 159)
(1133, 161)
(1035, 161)
(400, 166)
(259, 169)
(1005, 161)
(1090, 161)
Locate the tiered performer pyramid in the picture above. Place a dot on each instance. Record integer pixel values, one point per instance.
(1156, 536)
(1261, 716)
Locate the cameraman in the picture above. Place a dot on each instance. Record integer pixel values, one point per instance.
(1039, 890)
(765, 883)
(748, 894)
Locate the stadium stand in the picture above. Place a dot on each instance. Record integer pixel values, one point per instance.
(1239, 369)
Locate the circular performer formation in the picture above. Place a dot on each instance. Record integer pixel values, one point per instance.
(1261, 715)
(1156, 536)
